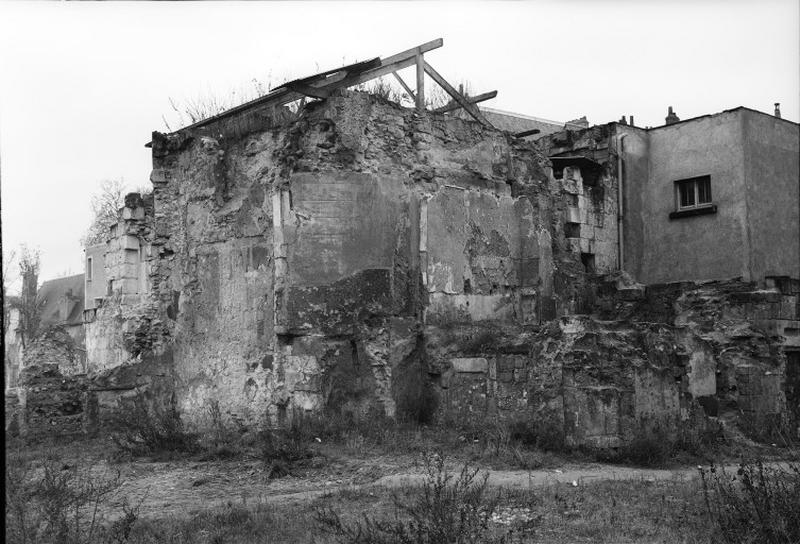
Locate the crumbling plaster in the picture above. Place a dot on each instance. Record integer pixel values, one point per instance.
(332, 240)
(358, 256)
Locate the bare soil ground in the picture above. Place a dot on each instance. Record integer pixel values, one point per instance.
(571, 499)
(178, 487)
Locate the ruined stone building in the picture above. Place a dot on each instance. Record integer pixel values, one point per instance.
(12, 344)
(355, 255)
(61, 305)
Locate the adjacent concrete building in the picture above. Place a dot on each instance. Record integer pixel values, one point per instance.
(708, 198)
(712, 197)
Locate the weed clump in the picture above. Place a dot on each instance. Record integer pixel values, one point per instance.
(655, 446)
(759, 503)
(61, 501)
(155, 430)
(284, 449)
(766, 428)
(445, 509)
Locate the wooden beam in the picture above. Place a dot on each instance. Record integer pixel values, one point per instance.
(530, 132)
(308, 90)
(352, 68)
(458, 97)
(387, 66)
(420, 62)
(406, 87)
(414, 51)
(337, 79)
(471, 99)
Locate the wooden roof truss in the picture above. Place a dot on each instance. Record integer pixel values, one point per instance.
(323, 84)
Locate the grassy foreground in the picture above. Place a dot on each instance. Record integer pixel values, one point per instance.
(607, 512)
(69, 491)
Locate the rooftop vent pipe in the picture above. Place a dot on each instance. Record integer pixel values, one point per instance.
(778, 110)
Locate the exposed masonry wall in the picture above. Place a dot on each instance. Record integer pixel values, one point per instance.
(360, 257)
(120, 327)
(300, 262)
(674, 354)
(52, 394)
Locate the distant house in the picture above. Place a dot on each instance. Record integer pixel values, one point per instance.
(63, 302)
(62, 305)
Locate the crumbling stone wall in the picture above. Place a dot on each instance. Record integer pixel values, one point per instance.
(52, 403)
(54, 345)
(301, 261)
(356, 256)
(115, 332)
(129, 345)
(669, 355)
(52, 396)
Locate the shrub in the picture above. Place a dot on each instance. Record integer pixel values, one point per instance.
(650, 447)
(766, 428)
(758, 504)
(283, 449)
(543, 431)
(654, 446)
(443, 510)
(147, 431)
(219, 441)
(60, 502)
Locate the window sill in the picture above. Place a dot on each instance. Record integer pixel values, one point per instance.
(694, 211)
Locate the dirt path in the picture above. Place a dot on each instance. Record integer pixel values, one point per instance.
(179, 488)
(520, 479)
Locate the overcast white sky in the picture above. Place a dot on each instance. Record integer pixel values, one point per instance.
(82, 85)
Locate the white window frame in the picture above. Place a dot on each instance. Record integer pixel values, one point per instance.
(695, 182)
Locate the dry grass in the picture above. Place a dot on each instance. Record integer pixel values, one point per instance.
(42, 493)
(54, 504)
(604, 512)
(60, 499)
(446, 509)
(758, 503)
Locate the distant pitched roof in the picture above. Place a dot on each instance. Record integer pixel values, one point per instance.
(60, 295)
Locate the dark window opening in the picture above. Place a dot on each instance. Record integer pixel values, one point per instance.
(572, 230)
(693, 193)
(588, 262)
(467, 287)
(590, 177)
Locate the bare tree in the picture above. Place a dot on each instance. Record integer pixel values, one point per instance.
(29, 305)
(105, 207)
(7, 262)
